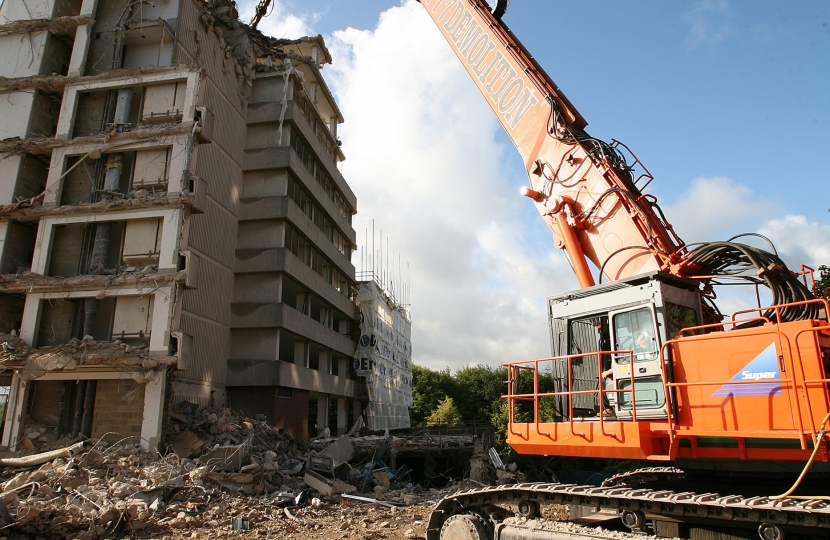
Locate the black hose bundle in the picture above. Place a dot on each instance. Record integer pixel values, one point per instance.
(717, 259)
(737, 260)
(597, 149)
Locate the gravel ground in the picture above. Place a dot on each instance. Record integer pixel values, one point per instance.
(332, 521)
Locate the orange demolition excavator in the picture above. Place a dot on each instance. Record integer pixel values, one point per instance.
(644, 366)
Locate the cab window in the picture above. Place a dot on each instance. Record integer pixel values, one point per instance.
(679, 317)
(634, 331)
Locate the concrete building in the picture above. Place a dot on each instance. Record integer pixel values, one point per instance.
(293, 314)
(383, 359)
(173, 224)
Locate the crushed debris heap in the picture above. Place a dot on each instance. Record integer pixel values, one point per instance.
(221, 471)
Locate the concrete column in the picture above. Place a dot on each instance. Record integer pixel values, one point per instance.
(43, 243)
(324, 361)
(301, 353)
(31, 318)
(54, 180)
(179, 159)
(341, 416)
(170, 235)
(342, 368)
(159, 332)
(153, 411)
(322, 412)
(80, 48)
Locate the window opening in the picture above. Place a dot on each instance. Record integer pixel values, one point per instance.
(634, 331)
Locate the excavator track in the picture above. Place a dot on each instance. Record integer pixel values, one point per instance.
(644, 475)
(461, 516)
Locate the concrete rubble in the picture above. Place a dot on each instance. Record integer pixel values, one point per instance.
(221, 471)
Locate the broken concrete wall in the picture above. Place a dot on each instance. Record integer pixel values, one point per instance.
(38, 9)
(206, 310)
(89, 114)
(56, 322)
(15, 108)
(141, 39)
(79, 183)
(119, 407)
(21, 55)
(65, 261)
(44, 119)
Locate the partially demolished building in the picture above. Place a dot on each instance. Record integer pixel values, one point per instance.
(173, 226)
(383, 360)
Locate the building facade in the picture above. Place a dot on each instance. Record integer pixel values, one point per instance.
(173, 223)
(293, 314)
(383, 359)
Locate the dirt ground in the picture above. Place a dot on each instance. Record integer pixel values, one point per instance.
(330, 521)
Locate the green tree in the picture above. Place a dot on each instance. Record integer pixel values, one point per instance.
(823, 281)
(479, 390)
(445, 415)
(429, 388)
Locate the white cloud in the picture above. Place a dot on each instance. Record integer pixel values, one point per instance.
(708, 22)
(278, 23)
(716, 208)
(423, 161)
(799, 240)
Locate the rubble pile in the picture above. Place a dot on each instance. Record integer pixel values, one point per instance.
(221, 472)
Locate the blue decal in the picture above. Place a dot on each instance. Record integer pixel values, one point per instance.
(364, 340)
(762, 369)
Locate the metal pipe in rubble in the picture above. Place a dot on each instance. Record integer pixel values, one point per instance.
(40, 459)
(122, 109)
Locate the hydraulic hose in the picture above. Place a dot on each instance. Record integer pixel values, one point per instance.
(816, 445)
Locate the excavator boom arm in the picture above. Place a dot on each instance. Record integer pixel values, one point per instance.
(581, 186)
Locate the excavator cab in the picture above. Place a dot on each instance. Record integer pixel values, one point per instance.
(613, 333)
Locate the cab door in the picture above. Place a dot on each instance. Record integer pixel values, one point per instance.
(635, 330)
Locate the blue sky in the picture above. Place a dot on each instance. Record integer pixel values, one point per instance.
(726, 102)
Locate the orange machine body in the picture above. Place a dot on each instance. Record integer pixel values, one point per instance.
(757, 393)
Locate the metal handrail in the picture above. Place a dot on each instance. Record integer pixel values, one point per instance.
(515, 367)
